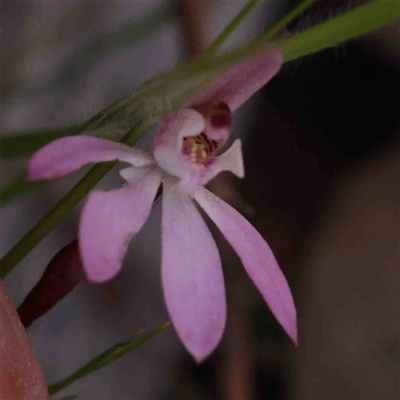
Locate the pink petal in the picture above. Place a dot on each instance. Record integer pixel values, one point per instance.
(231, 160)
(256, 256)
(109, 219)
(169, 141)
(241, 81)
(191, 275)
(65, 155)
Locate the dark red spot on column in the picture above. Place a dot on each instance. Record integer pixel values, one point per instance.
(221, 120)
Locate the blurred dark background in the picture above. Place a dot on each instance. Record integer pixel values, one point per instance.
(321, 145)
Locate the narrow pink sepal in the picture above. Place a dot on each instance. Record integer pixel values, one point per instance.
(191, 275)
(257, 258)
(61, 157)
(169, 141)
(231, 160)
(241, 81)
(109, 219)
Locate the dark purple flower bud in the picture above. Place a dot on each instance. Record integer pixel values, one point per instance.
(60, 277)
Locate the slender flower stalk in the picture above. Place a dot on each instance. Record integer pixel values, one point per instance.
(187, 155)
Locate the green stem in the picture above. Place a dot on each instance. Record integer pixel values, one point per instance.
(271, 32)
(231, 27)
(107, 357)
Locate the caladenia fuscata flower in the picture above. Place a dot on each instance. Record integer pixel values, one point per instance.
(187, 155)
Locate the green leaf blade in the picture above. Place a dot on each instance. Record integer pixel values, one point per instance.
(107, 357)
(339, 29)
(230, 28)
(281, 24)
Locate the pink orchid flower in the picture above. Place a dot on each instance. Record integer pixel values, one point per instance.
(185, 159)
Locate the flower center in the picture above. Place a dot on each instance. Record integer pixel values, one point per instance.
(200, 149)
(203, 147)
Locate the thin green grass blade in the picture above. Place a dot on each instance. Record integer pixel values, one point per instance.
(230, 28)
(107, 357)
(339, 29)
(282, 23)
